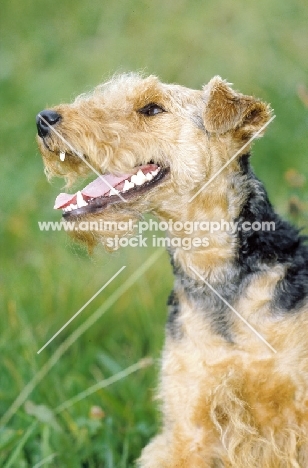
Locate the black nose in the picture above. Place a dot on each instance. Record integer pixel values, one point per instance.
(44, 120)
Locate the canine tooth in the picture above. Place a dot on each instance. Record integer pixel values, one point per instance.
(62, 156)
(149, 176)
(113, 191)
(141, 176)
(138, 178)
(127, 185)
(80, 201)
(154, 173)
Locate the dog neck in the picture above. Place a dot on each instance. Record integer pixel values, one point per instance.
(245, 254)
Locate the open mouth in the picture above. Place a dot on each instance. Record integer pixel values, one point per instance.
(109, 189)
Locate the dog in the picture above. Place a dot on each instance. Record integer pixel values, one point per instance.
(234, 371)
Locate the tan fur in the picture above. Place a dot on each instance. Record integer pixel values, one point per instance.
(224, 405)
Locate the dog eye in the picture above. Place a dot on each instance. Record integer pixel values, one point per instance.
(151, 110)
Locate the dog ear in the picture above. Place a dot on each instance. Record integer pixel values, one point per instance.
(226, 109)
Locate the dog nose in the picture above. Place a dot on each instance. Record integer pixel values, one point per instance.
(44, 120)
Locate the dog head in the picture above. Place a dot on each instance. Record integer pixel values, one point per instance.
(152, 147)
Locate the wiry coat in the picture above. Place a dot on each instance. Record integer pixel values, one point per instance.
(227, 400)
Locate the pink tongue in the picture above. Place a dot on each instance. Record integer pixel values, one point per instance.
(97, 188)
(102, 185)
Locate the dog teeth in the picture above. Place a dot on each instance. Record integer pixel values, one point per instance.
(113, 191)
(139, 178)
(154, 173)
(135, 180)
(80, 201)
(71, 207)
(79, 204)
(127, 185)
(62, 156)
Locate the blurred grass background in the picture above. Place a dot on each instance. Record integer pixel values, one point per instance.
(49, 52)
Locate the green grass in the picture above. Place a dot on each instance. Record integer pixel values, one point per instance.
(48, 53)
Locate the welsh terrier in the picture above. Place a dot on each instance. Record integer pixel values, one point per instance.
(234, 370)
